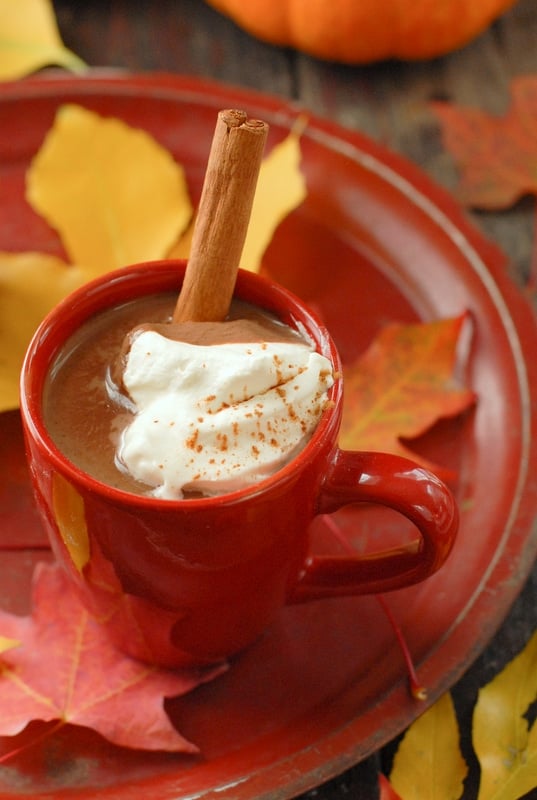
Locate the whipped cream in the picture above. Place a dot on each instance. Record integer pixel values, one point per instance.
(217, 418)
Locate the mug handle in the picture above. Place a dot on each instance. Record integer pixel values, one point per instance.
(400, 484)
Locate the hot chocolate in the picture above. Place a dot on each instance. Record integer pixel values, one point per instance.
(207, 416)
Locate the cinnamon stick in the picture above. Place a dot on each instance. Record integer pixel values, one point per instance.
(223, 216)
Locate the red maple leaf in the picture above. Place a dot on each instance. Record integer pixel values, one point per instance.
(496, 156)
(59, 665)
(387, 792)
(402, 385)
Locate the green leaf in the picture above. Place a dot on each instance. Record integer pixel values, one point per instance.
(428, 764)
(504, 743)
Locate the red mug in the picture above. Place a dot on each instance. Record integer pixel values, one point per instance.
(194, 581)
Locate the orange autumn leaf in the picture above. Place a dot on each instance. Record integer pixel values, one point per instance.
(386, 790)
(65, 669)
(402, 385)
(496, 156)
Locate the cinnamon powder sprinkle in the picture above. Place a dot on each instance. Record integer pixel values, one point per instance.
(222, 441)
(192, 442)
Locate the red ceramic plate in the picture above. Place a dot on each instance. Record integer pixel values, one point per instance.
(374, 242)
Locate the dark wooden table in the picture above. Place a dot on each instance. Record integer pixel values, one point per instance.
(389, 103)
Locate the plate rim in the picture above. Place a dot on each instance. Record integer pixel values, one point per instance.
(490, 258)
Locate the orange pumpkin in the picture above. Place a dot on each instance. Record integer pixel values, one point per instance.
(363, 31)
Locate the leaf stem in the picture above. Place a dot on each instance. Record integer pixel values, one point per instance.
(417, 690)
(49, 731)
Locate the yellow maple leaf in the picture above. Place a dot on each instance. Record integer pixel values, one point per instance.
(7, 644)
(181, 248)
(428, 764)
(30, 285)
(114, 195)
(29, 39)
(504, 743)
(281, 187)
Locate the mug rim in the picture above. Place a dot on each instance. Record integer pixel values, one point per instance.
(79, 306)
